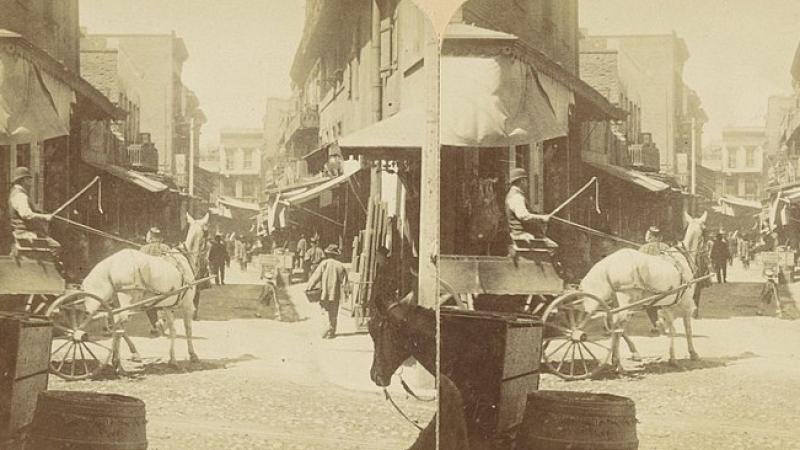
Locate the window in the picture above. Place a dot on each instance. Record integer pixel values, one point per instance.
(230, 162)
(732, 186)
(247, 158)
(750, 156)
(732, 154)
(751, 188)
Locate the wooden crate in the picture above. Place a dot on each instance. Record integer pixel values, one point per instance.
(24, 363)
(494, 361)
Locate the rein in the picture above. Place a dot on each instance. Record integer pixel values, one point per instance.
(402, 320)
(400, 411)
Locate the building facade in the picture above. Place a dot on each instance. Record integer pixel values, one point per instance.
(240, 156)
(276, 112)
(48, 25)
(166, 106)
(742, 155)
(652, 66)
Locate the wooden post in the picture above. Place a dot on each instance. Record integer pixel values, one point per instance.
(428, 270)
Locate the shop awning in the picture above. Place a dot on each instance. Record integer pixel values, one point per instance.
(495, 102)
(221, 211)
(404, 131)
(232, 202)
(486, 102)
(741, 202)
(64, 86)
(349, 167)
(631, 176)
(131, 176)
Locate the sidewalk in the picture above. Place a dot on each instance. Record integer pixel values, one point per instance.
(347, 359)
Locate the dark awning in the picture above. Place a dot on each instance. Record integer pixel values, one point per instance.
(631, 176)
(131, 176)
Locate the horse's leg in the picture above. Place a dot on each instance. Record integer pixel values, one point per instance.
(668, 317)
(632, 348)
(687, 325)
(171, 327)
(188, 315)
(128, 299)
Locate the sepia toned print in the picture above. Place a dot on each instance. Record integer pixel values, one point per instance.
(398, 224)
(640, 276)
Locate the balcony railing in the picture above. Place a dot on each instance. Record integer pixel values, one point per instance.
(644, 157)
(143, 156)
(306, 118)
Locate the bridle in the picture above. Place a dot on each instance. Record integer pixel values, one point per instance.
(384, 320)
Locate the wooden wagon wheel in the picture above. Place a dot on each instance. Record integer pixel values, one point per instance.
(37, 304)
(574, 344)
(77, 352)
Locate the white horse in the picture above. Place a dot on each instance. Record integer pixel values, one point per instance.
(630, 275)
(132, 276)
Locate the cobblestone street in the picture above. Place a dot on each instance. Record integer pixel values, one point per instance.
(263, 382)
(267, 383)
(738, 396)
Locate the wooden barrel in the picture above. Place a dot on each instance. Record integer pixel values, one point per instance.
(556, 420)
(87, 420)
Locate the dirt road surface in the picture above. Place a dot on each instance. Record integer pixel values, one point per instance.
(271, 382)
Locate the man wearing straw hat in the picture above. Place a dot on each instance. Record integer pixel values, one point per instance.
(25, 222)
(331, 275)
(522, 223)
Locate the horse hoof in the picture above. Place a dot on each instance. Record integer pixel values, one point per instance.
(636, 357)
(136, 357)
(674, 363)
(694, 356)
(193, 358)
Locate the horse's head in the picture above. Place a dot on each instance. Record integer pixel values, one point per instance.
(694, 231)
(391, 329)
(196, 236)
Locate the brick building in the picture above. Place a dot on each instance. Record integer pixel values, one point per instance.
(158, 59)
(652, 66)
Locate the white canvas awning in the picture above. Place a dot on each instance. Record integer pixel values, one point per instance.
(487, 101)
(349, 168)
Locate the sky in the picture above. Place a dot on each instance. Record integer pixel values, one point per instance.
(740, 50)
(240, 51)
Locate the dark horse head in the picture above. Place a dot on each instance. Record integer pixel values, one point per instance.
(400, 330)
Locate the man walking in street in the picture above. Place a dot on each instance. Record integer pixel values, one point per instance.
(719, 258)
(218, 258)
(331, 276)
(524, 226)
(313, 257)
(300, 251)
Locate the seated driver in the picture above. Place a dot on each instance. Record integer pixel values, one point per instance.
(155, 246)
(524, 225)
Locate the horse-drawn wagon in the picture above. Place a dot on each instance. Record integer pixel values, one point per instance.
(582, 324)
(88, 322)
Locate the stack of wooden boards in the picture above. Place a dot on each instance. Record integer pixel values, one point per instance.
(365, 248)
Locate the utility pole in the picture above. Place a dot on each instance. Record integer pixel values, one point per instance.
(191, 158)
(694, 160)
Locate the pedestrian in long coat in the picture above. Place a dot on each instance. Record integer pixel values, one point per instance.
(218, 258)
(720, 254)
(331, 277)
(313, 257)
